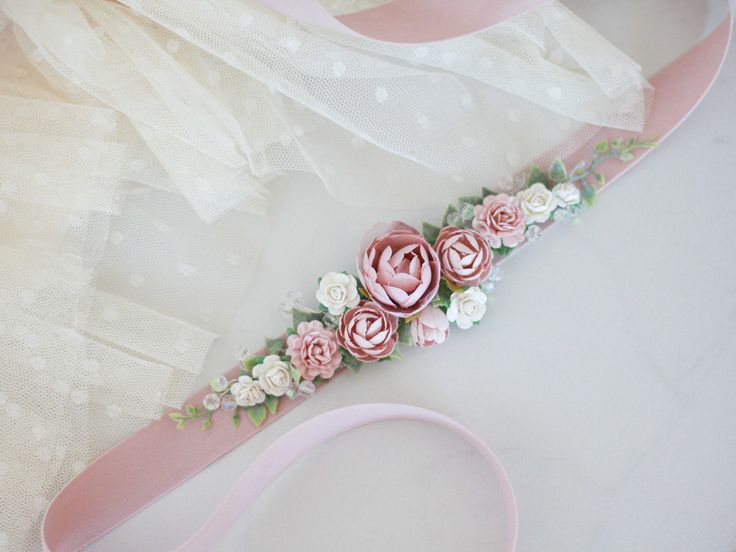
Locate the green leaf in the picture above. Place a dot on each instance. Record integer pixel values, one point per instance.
(176, 416)
(626, 156)
(449, 212)
(601, 178)
(503, 250)
(192, 410)
(350, 361)
(617, 143)
(257, 414)
(557, 171)
(295, 374)
(395, 354)
(430, 232)
(274, 346)
(579, 168)
(487, 192)
(300, 316)
(271, 403)
(405, 334)
(182, 424)
(588, 194)
(290, 331)
(442, 299)
(236, 418)
(249, 362)
(472, 200)
(536, 175)
(207, 424)
(602, 147)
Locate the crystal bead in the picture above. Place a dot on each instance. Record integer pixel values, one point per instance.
(467, 211)
(306, 389)
(285, 309)
(211, 401)
(496, 274)
(487, 286)
(533, 233)
(219, 384)
(242, 353)
(562, 215)
(228, 402)
(293, 297)
(292, 391)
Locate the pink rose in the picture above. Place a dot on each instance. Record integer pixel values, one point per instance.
(398, 268)
(313, 350)
(368, 332)
(465, 257)
(500, 220)
(431, 327)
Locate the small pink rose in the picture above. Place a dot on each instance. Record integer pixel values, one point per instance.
(314, 350)
(398, 268)
(500, 220)
(431, 327)
(465, 257)
(368, 332)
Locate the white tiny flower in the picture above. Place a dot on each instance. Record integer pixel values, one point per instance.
(566, 194)
(537, 202)
(467, 307)
(338, 291)
(247, 392)
(273, 375)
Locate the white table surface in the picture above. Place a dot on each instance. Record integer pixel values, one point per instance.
(604, 376)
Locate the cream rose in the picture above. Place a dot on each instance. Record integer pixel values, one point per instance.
(338, 291)
(537, 203)
(566, 194)
(273, 374)
(247, 392)
(467, 307)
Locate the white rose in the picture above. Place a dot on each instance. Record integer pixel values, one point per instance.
(338, 291)
(567, 194)
(247, 392)
(537, 202)
(273, 375)
(467, 307)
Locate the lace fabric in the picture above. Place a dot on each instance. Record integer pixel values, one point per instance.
(138, 141)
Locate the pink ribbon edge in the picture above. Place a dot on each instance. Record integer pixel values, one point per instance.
(315, 431)
(81, 512)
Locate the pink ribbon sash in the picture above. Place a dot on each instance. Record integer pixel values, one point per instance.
(158, 458)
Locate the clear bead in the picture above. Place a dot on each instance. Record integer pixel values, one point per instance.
(487, 286)
(467, 211)
(219, 384)
(228, 402)
(211, 401)
(533, 233)
(496, 274)
(306, 389)
(562, 215)
(242, 353)
(292, 391)
(293, 297)
(285, 310)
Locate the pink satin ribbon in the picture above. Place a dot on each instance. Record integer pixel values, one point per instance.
(409, 21)
(158, 458)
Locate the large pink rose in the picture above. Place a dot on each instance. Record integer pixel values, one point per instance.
(431, 327)
(314, 350)
(465, 257)
(368, 332)
(500, 220)
(398, 268)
